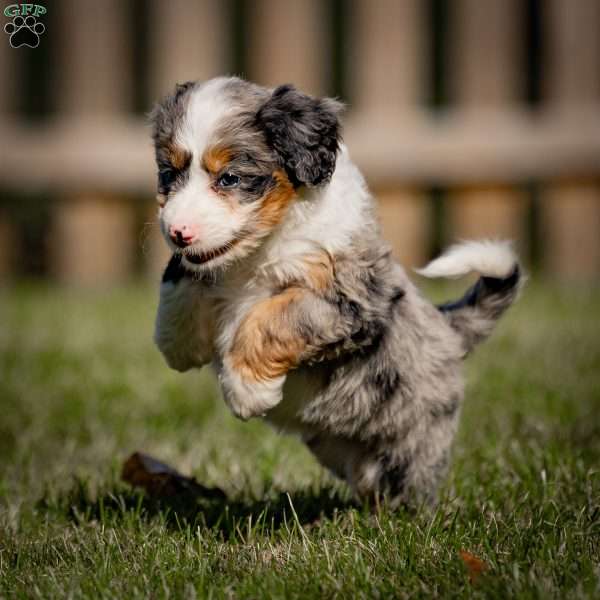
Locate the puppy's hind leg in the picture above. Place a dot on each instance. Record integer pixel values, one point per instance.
(399, 478)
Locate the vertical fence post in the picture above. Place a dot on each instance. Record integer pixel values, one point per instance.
(571, 208)
(7, 93)
(388, 56)
(484, 83)
(288, 43)
(94, 77)
(7, 242)
(388, 60)
(93, 237)
(190, 42)
(93, 240)
(8, 57)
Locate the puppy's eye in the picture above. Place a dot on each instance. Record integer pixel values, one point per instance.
(166, 178)
(228, 180)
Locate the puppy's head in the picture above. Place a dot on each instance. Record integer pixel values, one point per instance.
(231, 156)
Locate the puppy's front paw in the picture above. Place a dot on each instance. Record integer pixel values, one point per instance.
(248, 398)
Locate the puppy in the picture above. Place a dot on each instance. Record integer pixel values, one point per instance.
(280, 279)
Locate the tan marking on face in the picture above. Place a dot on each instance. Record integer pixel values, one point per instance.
(275, 202)
(161, 199)
(215, 159)
(266, 344)
(178, 157)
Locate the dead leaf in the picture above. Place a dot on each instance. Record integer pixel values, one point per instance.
(475, 565)
(160, 480)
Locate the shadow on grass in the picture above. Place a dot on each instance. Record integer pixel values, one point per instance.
(213, 511)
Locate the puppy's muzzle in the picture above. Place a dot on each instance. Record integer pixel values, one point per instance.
(182, 236)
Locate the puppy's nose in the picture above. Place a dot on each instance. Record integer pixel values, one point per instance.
(181, 236)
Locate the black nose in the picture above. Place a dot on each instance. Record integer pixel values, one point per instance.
(179, 239)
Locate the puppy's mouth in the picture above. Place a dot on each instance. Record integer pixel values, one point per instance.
(200, 258)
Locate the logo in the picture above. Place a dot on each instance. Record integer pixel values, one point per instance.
(25, 28)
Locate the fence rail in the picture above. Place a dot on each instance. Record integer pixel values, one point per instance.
(93, 152)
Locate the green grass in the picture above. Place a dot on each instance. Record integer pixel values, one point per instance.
(81, 386)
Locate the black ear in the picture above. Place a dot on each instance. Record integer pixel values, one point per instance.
(304, 133)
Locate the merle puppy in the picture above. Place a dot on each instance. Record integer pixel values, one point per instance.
(280, 279)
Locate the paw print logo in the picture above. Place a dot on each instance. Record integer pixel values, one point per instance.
(25, 31)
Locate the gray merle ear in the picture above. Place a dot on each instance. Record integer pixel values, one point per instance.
(304, 132)
(168, 111)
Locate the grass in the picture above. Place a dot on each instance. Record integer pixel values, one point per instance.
(81, 386)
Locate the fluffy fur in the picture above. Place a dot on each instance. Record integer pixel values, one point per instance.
(280, 279)
(492, 259)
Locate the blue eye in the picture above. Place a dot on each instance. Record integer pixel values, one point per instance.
(228, 180)
(166, 178)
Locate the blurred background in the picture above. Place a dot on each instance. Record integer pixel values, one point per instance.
(469, 118)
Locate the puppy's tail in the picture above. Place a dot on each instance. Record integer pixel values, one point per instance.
(475, 314)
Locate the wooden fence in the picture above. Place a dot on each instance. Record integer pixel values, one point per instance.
(482, 149)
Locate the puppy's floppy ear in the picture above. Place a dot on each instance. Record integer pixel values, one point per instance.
(304, 132)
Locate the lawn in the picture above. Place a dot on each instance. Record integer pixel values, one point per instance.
(81, 387)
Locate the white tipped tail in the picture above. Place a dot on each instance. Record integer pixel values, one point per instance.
(488, 258)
